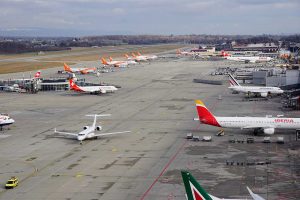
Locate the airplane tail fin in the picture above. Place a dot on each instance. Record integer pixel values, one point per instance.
(205, 116)
(126, 55)
(104, 62)
(133, 55)
(67, 68)
(224, 54)
(95, 117)
(37, 74)
(110, 58)
(233, 81)
(73, 85)
(178, 52)
(138, 53)
(254, 196)
(193, 189)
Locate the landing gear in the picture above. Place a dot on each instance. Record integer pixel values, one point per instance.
(220, 132)
(80, 142)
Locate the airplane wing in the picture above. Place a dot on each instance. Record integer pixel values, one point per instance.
(254, 196)
(113, 133)
(65, 133)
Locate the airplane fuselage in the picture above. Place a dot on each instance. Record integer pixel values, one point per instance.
(257, 89)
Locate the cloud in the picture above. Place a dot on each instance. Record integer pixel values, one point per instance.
(154, 16)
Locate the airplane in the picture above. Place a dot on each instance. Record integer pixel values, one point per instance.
(82, 70)
(139, 58)
(149, 57)
(129, 62)
(114, 63)
(5, 120)
(266, 124)
(89, 131)
(184, 53)
(194, 191)
(37, 74)
(101, 89)
(262, 91)
(246, 59)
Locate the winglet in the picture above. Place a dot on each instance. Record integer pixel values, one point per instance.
(199, 102)
(254, 196)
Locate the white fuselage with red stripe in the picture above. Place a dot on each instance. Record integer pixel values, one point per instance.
(267, 124)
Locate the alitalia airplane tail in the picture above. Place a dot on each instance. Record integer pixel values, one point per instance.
(193, 189)
(205, 116)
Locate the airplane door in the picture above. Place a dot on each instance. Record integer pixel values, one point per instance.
(298, 134)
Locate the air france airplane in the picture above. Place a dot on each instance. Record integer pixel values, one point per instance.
(266, 124)
(263, 91)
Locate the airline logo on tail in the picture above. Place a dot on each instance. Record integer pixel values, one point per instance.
(67, 68)
(193, 189)
(104, 62)
(205, 116)
(37, 74)
(232, 81)
(73, 86)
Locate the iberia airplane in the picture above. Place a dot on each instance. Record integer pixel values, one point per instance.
(114, 63)
(263, 91)
(194, 191)
(89, 131)
(265, 124)
(92, 89)
(83, 70)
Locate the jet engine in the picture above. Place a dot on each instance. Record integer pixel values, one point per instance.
(99, 128)
(86, 127)
(264, 94)
(269, 131)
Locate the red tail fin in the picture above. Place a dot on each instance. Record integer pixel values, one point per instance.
(205, 116)
(73, 86)
(37, 74)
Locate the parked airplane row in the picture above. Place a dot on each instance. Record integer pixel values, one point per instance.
(251, 59)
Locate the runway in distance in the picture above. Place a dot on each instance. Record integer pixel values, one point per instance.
(5, 120)
(265, 124)
(83, 70)
(101, 89)
(89, 131)
(251, 59)
(194, 191)
(262, 91)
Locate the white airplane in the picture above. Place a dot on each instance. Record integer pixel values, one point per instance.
(114, 63)
(148, 57)
(139, 58)
(184, 53)
(194, 191)
(92, 89)
(262, 91)
(129, 62)
(251, 59)
(265, 124)
(5, 120)
(82, 70)
(89, 131)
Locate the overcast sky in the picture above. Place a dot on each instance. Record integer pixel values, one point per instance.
(97, 17)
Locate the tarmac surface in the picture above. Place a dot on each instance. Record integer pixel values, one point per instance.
(156, 103)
